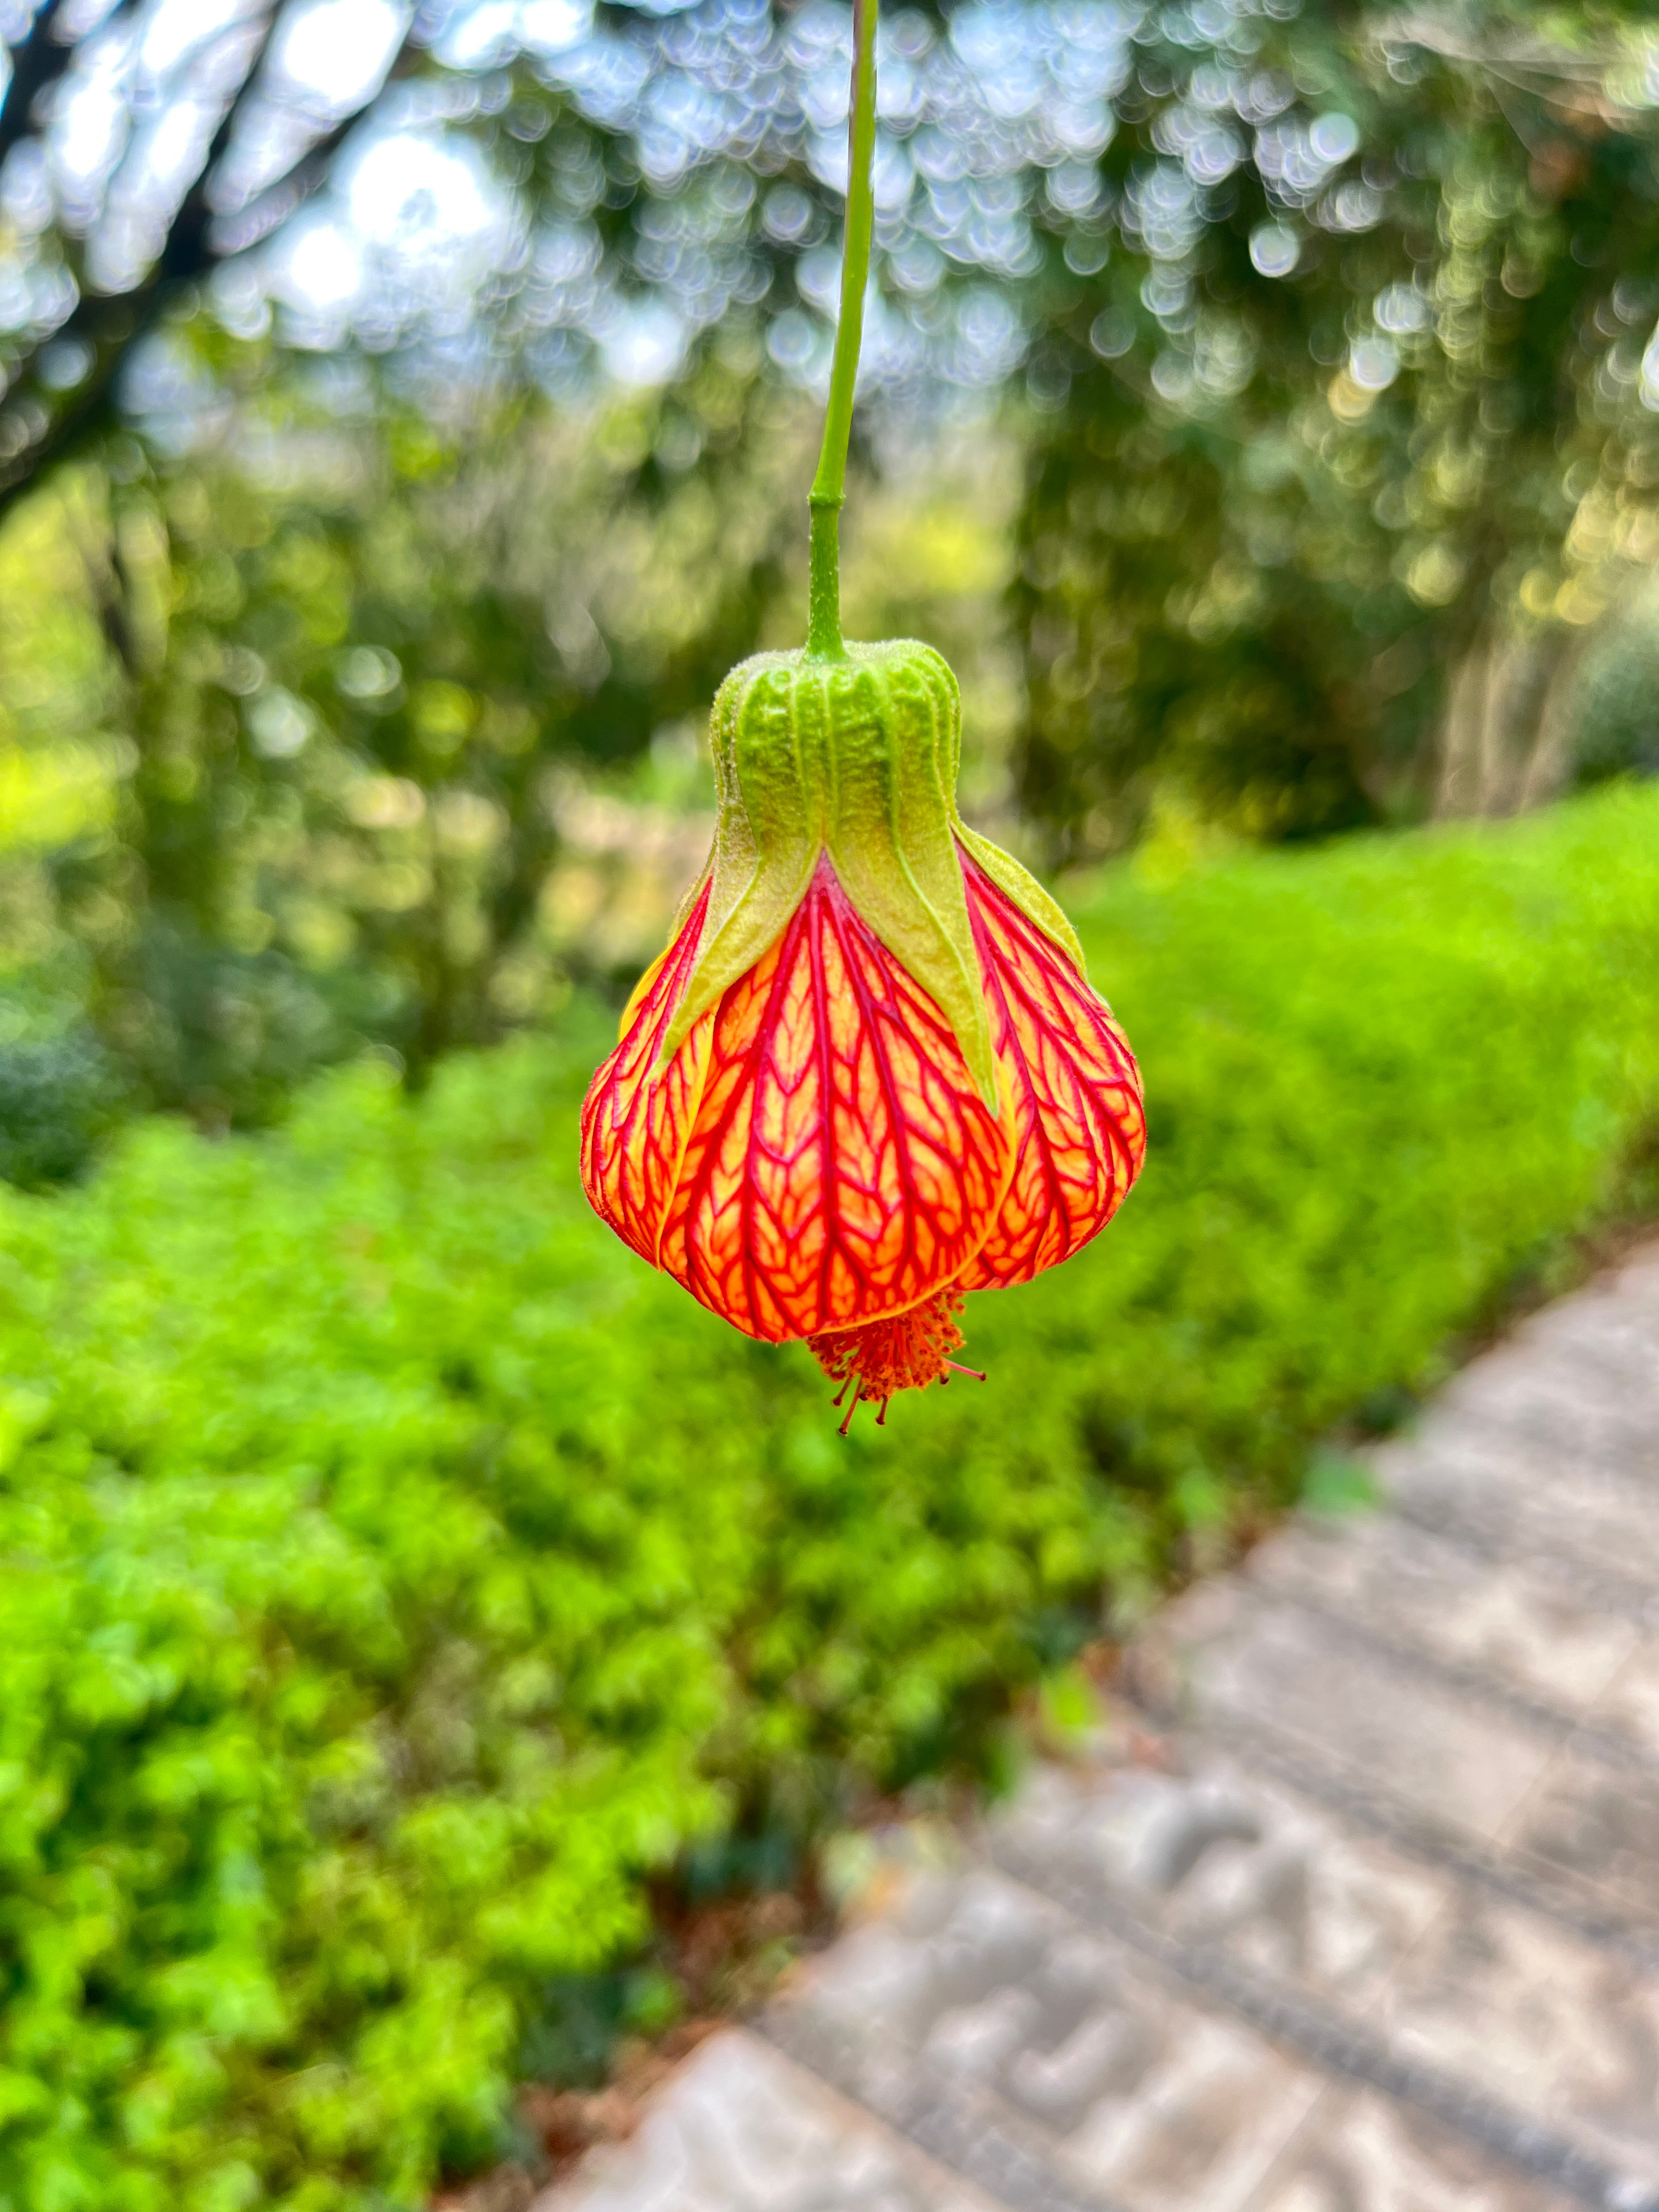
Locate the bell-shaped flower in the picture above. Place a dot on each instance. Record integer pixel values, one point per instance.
(868, 1075)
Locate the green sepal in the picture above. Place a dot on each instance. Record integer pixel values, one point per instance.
(767, 833)
(1036, 904)
(857, 757)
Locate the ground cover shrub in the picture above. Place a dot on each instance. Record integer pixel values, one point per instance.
(394, 1574)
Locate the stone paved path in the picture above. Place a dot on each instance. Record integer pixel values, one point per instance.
(1357, 1909)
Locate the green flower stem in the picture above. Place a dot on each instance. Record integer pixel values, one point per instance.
(828, 492)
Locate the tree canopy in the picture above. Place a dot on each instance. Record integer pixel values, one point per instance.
(413, 404)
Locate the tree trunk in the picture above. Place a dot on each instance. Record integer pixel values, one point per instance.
(1505, 730)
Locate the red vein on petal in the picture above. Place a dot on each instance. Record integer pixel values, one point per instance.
(1073, 1087)
(830, 913)
(636, 1123)
(818, 1164)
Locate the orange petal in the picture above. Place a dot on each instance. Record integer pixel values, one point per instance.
(842, 1165)
(1078, 1132)
(634, 1130)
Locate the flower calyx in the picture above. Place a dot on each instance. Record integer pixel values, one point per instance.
(856, 758)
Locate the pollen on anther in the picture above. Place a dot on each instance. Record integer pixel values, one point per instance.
(905, 1352)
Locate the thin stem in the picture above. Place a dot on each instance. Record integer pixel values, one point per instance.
(823, 638)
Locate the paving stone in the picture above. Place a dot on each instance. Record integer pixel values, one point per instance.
(1555, 1398)
(1406, 1964)
(1224, 1651)
(1600, 1824)
(1560, 1400)
(1568, 1801)
(1203, 2124)
(1530, 2013)
(1607, 1334)
(1122, 2086)
(1359, 2152)
(1628, 1707)
(739, 2129)
(1519, 1625)
(954, 1942)
(1520, 1498)
(1215, 1856)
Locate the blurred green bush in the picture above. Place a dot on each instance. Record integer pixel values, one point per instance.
(396, 1574)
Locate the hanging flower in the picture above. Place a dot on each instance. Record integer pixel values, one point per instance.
(868, 1075)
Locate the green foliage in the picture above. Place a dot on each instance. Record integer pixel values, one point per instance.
(386, 749)
(339, 688)
(59, 1094)
(1342, 399)
(1346, 428)
(1339, 433)
(395, 1572)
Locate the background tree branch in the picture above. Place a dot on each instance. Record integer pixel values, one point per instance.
(43, 422)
